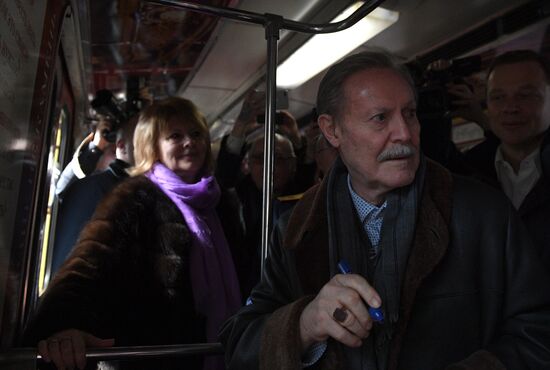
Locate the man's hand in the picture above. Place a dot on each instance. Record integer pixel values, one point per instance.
(345, 294)
(67, 348)
(289, 127)
(253, 105)
(99, 139)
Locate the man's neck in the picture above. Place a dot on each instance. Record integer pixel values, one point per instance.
(515, 154)
(376, 197)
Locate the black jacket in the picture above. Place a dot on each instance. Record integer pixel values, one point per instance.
(474, 296)
(535, 209)
(78, 204)
(128, 277)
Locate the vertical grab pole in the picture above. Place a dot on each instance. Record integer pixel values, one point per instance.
(272, 27)
(273, 24)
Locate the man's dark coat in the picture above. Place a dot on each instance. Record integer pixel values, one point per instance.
(474, 295)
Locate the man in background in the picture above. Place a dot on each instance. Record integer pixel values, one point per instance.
(81, 197)
(518, 107)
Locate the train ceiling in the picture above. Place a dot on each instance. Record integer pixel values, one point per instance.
(147, 44)
(133, 44)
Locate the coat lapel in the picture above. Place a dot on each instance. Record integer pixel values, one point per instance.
(429, 246)
(307, 228)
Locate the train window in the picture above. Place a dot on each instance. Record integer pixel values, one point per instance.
(54, 166)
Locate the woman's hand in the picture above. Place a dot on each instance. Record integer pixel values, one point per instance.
(67, 348)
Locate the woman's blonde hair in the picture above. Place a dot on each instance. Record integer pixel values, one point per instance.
(153, 121)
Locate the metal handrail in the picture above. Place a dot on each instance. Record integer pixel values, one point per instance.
(123, 353)
(261, 19)
(272, 24)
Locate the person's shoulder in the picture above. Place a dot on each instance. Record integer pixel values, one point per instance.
(308, 212)
(472, 184)
(464, 193)
(130, 193)
(83, 187)
(300, 202)
(468, 191)
(309, 196)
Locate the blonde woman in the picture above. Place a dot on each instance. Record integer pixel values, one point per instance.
(154, 265)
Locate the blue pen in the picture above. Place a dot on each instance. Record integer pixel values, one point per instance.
(375, 313)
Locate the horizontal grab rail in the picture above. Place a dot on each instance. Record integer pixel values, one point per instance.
(261, 19)
(123, 353)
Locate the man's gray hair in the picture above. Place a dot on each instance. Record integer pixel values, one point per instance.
(331, 97)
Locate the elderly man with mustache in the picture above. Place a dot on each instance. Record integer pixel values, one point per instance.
(443, 259)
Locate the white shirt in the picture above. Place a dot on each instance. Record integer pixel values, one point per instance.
(517, 186)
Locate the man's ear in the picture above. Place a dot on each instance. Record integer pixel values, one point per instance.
(327, 125)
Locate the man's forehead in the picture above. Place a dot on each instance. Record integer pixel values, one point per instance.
(517, 74)
(377, 83)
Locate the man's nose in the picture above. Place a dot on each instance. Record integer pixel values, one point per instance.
(401, 130)
(510, 105)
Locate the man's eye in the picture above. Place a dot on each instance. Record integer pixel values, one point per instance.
(381, 117)
(528, 95)
(410, 113)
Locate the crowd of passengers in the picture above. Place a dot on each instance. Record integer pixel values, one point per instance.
(162, 246)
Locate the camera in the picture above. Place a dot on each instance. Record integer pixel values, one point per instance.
(433, 99)
(107, 105)
(435, 104)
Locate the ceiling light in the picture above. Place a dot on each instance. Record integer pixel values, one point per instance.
(322, 50)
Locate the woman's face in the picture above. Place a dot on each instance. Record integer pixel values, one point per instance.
(182, 148)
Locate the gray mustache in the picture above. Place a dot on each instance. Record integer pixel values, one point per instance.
(397, 151)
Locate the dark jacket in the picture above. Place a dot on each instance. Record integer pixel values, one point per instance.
(474, 295)
(128, 277)
(535, 209)
(77, 206)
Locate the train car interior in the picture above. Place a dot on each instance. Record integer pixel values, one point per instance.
(57, 54)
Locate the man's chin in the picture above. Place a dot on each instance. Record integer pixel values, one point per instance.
(402, 172)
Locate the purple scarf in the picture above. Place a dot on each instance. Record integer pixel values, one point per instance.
(213, 277)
